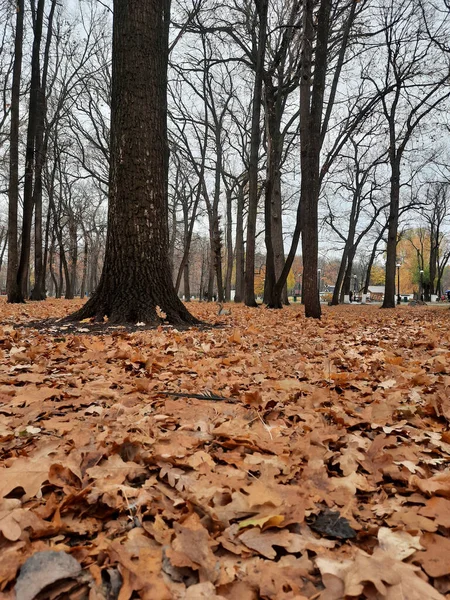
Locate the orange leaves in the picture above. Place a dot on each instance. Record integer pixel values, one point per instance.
(378, 577)
(28, 474)
(192, 547)
(438, 485)
(219, 497)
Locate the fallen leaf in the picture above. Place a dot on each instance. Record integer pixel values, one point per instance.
(43, 569)
(398, 544)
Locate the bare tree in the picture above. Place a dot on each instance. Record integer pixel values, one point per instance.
(417, 78)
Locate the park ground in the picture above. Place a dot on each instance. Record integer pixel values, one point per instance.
(314, 466)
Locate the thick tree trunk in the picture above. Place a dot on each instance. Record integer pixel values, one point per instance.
(272, 201)
(311, 106)
(13, 191)
(33, 120)
(136, 277)
(38, 291)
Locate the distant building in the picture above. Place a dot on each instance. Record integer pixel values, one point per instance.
(376, 293)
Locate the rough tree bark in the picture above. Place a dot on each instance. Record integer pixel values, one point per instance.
(136, 277)
(311, 106)
(13, 191)
(38, 291)
(19, 293)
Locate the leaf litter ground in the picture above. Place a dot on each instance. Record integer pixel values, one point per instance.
(321, 473)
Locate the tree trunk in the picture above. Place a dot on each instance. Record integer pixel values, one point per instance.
(249, 281)
(272, 202)
(391, 246)
(38, 292)
(336, 298)
(136, 277)
(229, 241)
(3, 250)
(13, 192)
(433, 262)
(311, 106)
(240, 257)
(33, 119)
(187, 286)
(188, 237)
(347, 283)
(73, 258)
(62, 262)
(217, 257)
(85, 266)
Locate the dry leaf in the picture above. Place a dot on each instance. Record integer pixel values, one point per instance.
(398, 544)
(43, 569)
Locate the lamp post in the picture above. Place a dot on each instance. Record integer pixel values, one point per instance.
(319, 271)
(398, 283)
(421, 285)
(355, 286)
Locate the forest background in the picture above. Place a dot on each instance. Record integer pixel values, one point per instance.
(380, 194)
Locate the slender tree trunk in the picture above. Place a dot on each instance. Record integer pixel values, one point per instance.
(93, 269)
(217, 257)
(249, 281)
(391, 246)
(229, 241)
(61, 271)
(73, 258)
(3, 250)
(85, 266)
(51, 258)
(187, 243)
(434, 250)
(13, 191)
(372, 259)
(347, 283)
(188, 238)
(240, 257)
(336, 298)
(211, 273)
(187, 286)
(172, 240)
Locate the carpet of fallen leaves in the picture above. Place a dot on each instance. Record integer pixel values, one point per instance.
(321, 473)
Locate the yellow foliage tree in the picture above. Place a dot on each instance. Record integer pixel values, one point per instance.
(377, 275)
(259, 281)
(290, 281)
